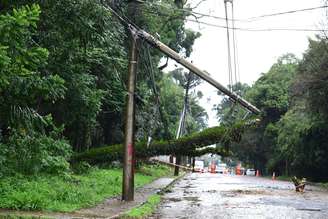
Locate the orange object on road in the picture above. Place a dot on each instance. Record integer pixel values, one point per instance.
(257, 173)
(238, 170)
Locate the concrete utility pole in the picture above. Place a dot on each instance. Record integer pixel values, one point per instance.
(129, 153)
(182, 122)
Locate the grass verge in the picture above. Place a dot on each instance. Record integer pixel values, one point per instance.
(149, 207)
(145, 209)
(284, 178)
(70, 192)
(324, 185)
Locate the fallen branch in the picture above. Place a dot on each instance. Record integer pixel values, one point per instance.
(299, 184)
(186, 146)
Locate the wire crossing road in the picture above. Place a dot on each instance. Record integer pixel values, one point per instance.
(224, 196)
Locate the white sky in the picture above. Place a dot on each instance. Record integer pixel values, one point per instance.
(257, 51)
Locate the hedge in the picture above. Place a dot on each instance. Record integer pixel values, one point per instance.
(187, 145)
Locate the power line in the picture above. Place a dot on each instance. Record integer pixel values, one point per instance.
(238, 28)
(189, 11)
(233, 81)
(258, 29)
(234, 40)
(228, 45)
(156, 92)
(250, 19)
(126, 21)
(285, 12)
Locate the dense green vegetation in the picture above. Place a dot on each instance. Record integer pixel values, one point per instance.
(63, 69)
(70, 192)
(290, 138)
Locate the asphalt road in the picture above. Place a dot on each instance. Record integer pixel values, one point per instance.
(206, 195)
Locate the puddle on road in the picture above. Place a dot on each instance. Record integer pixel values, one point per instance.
(188, 187)
(174, 199)
(249, 192)
(296, 203)
(187, 198)
(188, 192)
(234, 193)
(192, 198)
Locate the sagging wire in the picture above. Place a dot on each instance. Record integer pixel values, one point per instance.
(228, 44)
(156, 92)
(234, 41)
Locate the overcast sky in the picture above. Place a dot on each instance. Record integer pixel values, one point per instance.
(257, 51)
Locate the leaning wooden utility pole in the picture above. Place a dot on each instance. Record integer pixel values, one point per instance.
(178, 58)
(128, 171)
(129, 153)
(202, 74)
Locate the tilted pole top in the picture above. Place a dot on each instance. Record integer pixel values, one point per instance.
(202, 74)
(174, 55)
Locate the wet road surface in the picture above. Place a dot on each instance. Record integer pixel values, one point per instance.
(205, 195)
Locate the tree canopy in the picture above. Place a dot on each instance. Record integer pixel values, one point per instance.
(289, 137)
(63, 69)
(63, 73)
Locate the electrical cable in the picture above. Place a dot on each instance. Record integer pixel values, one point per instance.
(250, 19)
(184, 10)
(228, 46)
(285, 12)
(259, 30)
(234, 43)
(246, 29)
(134, 29)
(234, 80)
(156, 92)
(127, 23)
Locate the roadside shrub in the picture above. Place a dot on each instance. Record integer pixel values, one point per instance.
(81, 167)
(32, 154)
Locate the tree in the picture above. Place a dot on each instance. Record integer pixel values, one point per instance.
(23, 84)
(67, 60)
(301, 140)
(29, 141)
(270, 95)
